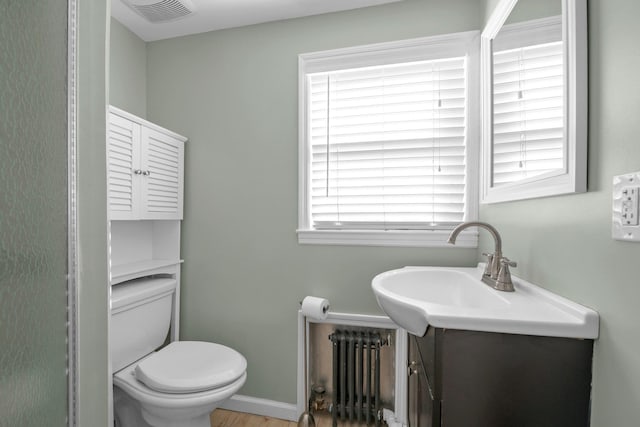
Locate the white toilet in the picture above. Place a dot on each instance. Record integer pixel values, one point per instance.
(176, 386)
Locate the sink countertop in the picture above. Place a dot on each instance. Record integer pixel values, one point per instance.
(455, 298)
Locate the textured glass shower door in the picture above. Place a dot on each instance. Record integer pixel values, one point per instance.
(33, 213)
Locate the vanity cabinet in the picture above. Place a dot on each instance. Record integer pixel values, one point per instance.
(424, 409)
(145, 169)
(463, 378)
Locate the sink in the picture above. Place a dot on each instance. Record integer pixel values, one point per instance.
(448, 287)
(456, 298)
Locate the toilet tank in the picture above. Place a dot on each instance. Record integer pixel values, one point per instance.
(140, 318)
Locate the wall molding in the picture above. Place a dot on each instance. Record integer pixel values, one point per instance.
(259, 406)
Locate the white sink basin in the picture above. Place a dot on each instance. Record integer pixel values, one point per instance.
(455, 298)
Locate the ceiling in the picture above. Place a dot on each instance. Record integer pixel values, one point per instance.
(209, 15)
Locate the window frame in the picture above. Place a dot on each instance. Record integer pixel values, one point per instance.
(419, 49)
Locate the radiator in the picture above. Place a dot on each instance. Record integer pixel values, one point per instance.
(356, 376)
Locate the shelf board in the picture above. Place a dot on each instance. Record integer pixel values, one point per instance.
(133, 270)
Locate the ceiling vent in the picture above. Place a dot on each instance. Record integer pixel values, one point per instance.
(157, 11)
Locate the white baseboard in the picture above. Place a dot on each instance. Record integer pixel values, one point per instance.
(258, 406)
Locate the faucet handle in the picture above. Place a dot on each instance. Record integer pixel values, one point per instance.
(507, 262)
(487, 268)
(504, 282)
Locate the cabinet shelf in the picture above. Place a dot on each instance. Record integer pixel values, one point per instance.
(133, 270)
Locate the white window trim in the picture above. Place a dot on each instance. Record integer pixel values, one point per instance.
(419, 49)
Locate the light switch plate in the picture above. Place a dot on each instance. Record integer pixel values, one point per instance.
(625, 207)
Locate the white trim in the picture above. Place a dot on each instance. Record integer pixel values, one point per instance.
(418, 49)
(400, 417)
(259, 406)
(401, 238)
(474, 137)
(574, 178)
(424, 48)
(302, 350)
(497, 19)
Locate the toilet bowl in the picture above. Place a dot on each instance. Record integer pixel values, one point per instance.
(178, 385)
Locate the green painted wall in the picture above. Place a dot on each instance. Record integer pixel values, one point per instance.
(33, 218)
(245, 272)
(564, 243)
(127, 70)
(525, 10)
(234, 94)
(487, 9)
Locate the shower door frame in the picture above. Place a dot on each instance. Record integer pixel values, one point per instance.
(72, 255)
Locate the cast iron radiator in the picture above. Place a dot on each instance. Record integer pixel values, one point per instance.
(356, 376)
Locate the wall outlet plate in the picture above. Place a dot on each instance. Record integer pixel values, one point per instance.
(625, 225)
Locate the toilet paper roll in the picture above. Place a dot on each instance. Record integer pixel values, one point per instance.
(315, 308)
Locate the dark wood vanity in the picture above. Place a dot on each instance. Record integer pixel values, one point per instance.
(463, 378)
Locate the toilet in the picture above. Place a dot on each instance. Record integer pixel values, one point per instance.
(178, 385)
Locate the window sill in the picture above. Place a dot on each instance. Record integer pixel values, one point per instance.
(403, 238)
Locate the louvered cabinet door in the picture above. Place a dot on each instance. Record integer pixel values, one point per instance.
(123, 153)
(162, 165)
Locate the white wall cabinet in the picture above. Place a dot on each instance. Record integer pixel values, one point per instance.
(145, 169)
(145, 196)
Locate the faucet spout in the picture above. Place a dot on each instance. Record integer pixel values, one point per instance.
(496, 273)
(490, 228)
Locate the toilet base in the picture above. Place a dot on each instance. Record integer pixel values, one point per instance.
(202, 420)
(129, 413)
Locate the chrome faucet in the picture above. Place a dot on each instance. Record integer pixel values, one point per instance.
(496, 274)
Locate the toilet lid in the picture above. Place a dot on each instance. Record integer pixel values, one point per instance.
(190, 366)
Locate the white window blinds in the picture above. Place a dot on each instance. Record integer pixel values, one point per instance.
(387, 146)
(528, 112)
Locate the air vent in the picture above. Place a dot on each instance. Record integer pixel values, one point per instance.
(161, 11)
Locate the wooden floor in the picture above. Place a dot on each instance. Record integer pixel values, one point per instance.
(224, 418)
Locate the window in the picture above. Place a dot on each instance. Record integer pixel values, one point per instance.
(388, 149)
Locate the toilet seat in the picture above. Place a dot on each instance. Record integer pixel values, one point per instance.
(190, 367)
(125, 379)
